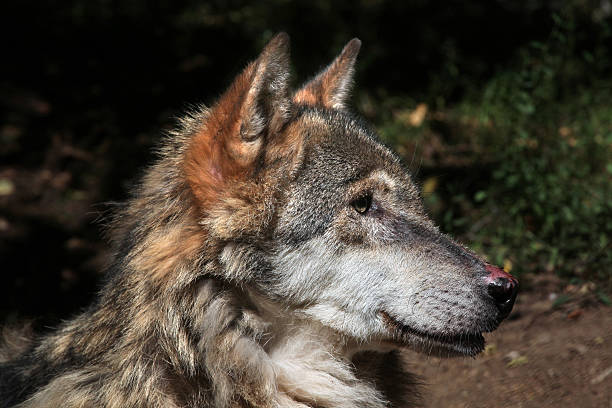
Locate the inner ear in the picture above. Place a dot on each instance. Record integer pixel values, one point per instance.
(266, 105)
(331, 87)
(252, 110)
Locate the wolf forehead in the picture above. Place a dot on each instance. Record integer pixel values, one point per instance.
(340, 142)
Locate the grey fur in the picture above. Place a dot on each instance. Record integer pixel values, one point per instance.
(255, 280)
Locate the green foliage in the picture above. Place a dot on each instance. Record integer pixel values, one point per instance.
(538, 137)
(603, 298)
(561, 300)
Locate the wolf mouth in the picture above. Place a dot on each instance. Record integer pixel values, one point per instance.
(466, 344)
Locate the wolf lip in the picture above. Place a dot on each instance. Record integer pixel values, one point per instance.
(467, 344)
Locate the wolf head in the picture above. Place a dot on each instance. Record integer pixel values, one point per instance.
(303, 205)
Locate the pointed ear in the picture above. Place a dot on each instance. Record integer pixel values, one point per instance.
(331, 87)
(252, 110)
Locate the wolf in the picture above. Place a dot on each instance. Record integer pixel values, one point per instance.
(276, 254)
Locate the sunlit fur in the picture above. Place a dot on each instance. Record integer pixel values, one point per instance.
(244, 277)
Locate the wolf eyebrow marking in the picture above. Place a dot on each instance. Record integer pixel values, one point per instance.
(384, 177)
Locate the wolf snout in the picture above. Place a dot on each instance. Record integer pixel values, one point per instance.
(502, 287)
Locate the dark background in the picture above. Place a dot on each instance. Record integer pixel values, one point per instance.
(513, 150)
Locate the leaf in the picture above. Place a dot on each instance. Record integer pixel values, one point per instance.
(561, 300)
(605, 299)
(518, 361)
(490, 349)
(480, 196)
(430, 184)
(6, 187)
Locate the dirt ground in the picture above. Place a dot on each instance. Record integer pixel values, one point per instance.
(543, 356)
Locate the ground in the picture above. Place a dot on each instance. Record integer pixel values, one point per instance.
(548, 354)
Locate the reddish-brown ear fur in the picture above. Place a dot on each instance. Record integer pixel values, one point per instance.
(254, 107)
(330, 88)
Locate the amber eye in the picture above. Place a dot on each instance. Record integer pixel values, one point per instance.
(362, 204)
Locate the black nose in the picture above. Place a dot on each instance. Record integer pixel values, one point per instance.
(503, 291)
(502, 287)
